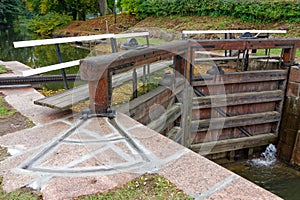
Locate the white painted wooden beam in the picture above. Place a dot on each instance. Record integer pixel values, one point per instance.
(32, 43)
(230, 31)
(50, 68)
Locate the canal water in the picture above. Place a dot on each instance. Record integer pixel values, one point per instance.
(37, 56)
(270, 174)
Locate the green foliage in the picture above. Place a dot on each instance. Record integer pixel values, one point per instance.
(10, 10)
(250, 10)
(46, 24)
(77, 9)
(3, 69)
(129, 6)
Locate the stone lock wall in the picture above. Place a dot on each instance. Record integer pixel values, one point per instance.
(289, 137)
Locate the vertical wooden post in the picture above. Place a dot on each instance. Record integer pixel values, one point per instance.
(134, 84)
(295, 159)
(187, 116)
(179, 63)
(99, 94)
(182, 64)
(289, 56)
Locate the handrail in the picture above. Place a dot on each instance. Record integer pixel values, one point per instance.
(56, 41)
(230, 31)
(32, 43)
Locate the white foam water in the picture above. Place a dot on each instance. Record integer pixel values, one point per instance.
(268, 157)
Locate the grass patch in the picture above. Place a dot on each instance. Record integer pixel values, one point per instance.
(20, 194)
(3, 69)
(143, 41)
(4, 110)
(148, 186)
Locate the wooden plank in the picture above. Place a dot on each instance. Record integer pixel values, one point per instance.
(187, 116)
(242, 44)
(65, 99)
(93, 67)
(175, 134)
(238, 88)
(229, 133)
(49, 68)
(236, 99)
(235, 121)
(233, 58)
(294, 157)
(186, 32)
(240, 77)
(234, 144)
(170, 116)
(32, 43)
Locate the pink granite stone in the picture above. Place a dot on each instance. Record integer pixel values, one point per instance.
(126, 121)
(33, 137)
(99, 125)
(159, 145)
(70, 187)
(193, 173)
(63, 154)
(14, 177)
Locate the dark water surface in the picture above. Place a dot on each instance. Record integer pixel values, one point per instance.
(37, 56)
(277, 178)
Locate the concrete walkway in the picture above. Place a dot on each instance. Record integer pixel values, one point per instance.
(64, 157)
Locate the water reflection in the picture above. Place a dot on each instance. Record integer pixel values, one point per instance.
(37, 56)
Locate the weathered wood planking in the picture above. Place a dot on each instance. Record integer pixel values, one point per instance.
(236, 99)
(175, 134)
(232, 58)
(64, 100)
(92, 68)
(240, 77)
(235, 121)
(169, 117)
(228, 133)
(238, 88)
(234, 144)
(242, 44)
(234, 110)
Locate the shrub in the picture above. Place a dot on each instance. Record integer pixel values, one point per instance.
(250, 10)
(46, 24)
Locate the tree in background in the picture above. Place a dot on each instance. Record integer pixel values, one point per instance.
(78, 9)
(75, 8)
(10, 10)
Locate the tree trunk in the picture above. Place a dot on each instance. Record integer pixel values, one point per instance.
(102, 7)
(63, 5)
